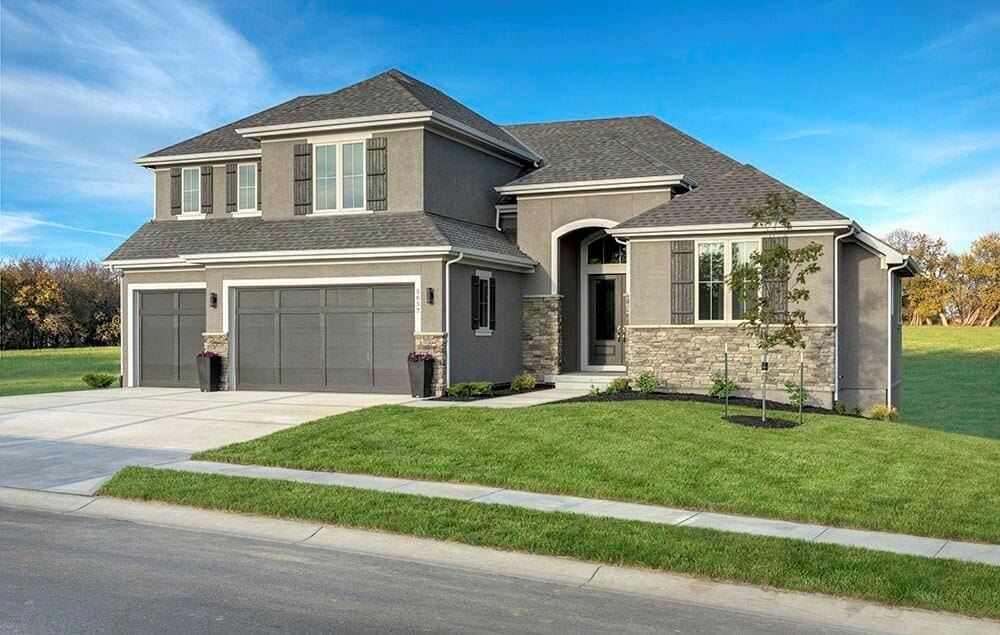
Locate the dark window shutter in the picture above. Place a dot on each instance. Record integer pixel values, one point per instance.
(206, 189)
(302, 173)
(175, 191)
(682, 282)
(260, 186)
(776, 292)
(475, 302)
(493, 304)
(231, 184)
(376, 187)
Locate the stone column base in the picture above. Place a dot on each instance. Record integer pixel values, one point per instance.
(435, 344)
(219, 343)
(541, 334)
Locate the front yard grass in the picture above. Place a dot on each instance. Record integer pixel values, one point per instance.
(868, 575)
(838, 470)
(53, 369)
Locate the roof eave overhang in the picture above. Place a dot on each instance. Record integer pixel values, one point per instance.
(721, 228)
(891, 256)
(583, 187)
(305, 255)
(423, 117)
(200, 157)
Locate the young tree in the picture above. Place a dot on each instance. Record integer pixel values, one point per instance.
(774, 281)
(980, 269)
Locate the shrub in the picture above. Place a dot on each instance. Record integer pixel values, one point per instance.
(617, 385)
(840, 407)
(722, 387)
(468, 389)
(883, 412)
(419, 357)
(208, 354)
(99, 380)
(524, 381)
(647, 382)
(594, 392)
(797, 395)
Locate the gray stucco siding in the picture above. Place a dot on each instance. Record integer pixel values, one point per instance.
(497, 357)
(649, 288)
(405, 170)
(277, 164)
(863, 338)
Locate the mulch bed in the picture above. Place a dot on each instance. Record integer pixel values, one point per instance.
(634, 395)
(499, 390)
(755, 422)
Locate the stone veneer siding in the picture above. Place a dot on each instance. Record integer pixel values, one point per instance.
(684, 358)
(541, 329)
(219, 343)
(436, 344)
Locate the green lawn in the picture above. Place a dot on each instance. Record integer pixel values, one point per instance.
(839, 470)
(869, 575)
(951, 378)
(53, 369)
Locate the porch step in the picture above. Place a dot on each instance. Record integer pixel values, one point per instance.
(583, 380)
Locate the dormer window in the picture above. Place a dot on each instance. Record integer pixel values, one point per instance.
(190, 191)
(339, 177)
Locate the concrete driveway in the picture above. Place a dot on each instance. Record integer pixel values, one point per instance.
(73, 441)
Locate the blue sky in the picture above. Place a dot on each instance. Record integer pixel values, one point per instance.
(890, 114)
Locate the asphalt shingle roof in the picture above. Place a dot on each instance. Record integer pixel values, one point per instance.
(167, 239)
(720, 200)
(388, 93)
(623, 147)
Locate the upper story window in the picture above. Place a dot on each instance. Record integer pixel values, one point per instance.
(606, 251)
(247, 185)
(340, 176)
(716, 260)
(190, 191)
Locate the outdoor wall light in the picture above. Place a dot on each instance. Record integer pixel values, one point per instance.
(430, 295)
(213, 300)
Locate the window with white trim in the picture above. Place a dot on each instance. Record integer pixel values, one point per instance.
(190, 191)
(247, 184)
(339, 176)
(716, 261)
(484, 298)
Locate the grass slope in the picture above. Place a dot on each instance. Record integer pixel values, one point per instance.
(53, 369)
(838, 470)
(951, 379)
(869, 575)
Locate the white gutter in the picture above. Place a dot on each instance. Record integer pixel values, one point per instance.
(888, 310)
(503, 209)
(596, 184)
(200, 157)
(447, 317)
(720, 228)
(836, 311)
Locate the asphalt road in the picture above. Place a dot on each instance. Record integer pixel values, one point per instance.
(70, 574)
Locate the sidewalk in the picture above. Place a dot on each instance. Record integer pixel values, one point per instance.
(816, 609)
(876, 540)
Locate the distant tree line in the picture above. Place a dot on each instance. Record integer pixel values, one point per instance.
(950, 288)
(48, 303)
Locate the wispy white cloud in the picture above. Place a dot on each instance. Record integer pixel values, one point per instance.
(804, 133)
(966, 39)
(31, 229)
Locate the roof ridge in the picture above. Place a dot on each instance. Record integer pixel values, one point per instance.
(644, 155)
(584, 120)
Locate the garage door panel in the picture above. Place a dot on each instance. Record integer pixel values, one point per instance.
(158, 352)
(191, 342)
(301, 349)
(349, 298)
(400, 298)
(393, 341)
(255, 299)
(300, 298)
(170, 328)
(191, 303)
(157, 303)
(256, 351)
(349, 350)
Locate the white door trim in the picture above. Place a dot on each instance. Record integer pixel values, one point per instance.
(584, 308)
(132, 311)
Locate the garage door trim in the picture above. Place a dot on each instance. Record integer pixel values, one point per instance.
(132, 310)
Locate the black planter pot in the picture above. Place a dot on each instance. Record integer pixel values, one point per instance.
(420, 378)
(209, 373)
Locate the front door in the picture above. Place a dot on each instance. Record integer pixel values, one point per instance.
(606, 332)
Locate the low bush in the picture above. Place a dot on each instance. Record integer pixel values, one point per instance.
(797, 395)
(468, 389)
(647, 382)
(722, 387)
(883, 412)
(525, 381)
(100, 380)
(617, 385)
(594, 391)
(840, 407)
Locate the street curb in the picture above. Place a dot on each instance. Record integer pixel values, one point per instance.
(818, 609)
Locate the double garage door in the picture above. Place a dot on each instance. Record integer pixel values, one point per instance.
(341, 339)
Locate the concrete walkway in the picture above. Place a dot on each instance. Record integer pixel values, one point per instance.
(877, 540)
(522, 400)
(816, 609)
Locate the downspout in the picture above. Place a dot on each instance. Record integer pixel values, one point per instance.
(888, 309)
(447, 317)
(836, 311)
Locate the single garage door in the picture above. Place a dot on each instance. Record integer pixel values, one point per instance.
(345, 338)
(170, 324)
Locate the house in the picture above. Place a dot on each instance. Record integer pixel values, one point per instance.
(314, 244)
